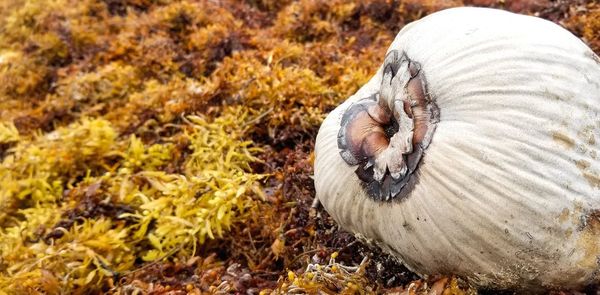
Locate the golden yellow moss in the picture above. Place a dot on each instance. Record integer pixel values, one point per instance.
(169, 213)
(8, 132)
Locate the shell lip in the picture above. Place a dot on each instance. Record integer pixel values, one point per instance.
(387, 133)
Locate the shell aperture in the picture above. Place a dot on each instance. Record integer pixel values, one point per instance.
(386, 133)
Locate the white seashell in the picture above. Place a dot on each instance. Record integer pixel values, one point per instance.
(507, 193)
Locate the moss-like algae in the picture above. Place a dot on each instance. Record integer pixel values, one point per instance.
(166, 213)
(153, 146)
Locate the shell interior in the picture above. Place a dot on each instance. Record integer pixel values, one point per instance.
(386, 134)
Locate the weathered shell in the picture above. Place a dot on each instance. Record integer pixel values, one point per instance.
(508, 192)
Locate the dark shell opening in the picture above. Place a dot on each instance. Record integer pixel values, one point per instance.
(386, 133)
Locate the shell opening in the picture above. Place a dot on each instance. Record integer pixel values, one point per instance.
(386, 133)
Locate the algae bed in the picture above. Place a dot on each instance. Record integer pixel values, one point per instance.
(165, 147)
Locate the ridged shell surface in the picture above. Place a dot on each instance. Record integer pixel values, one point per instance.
(508, 192)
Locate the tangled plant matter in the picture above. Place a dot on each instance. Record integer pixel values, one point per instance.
(165, 146)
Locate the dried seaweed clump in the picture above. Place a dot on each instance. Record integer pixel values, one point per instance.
(337, 278)
(53, 242)
(330, 278)
(289, 96)
(8, 133)
(203, 202)
(590, 21)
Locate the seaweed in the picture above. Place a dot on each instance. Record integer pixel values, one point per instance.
(151, 146)
(110, 204)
